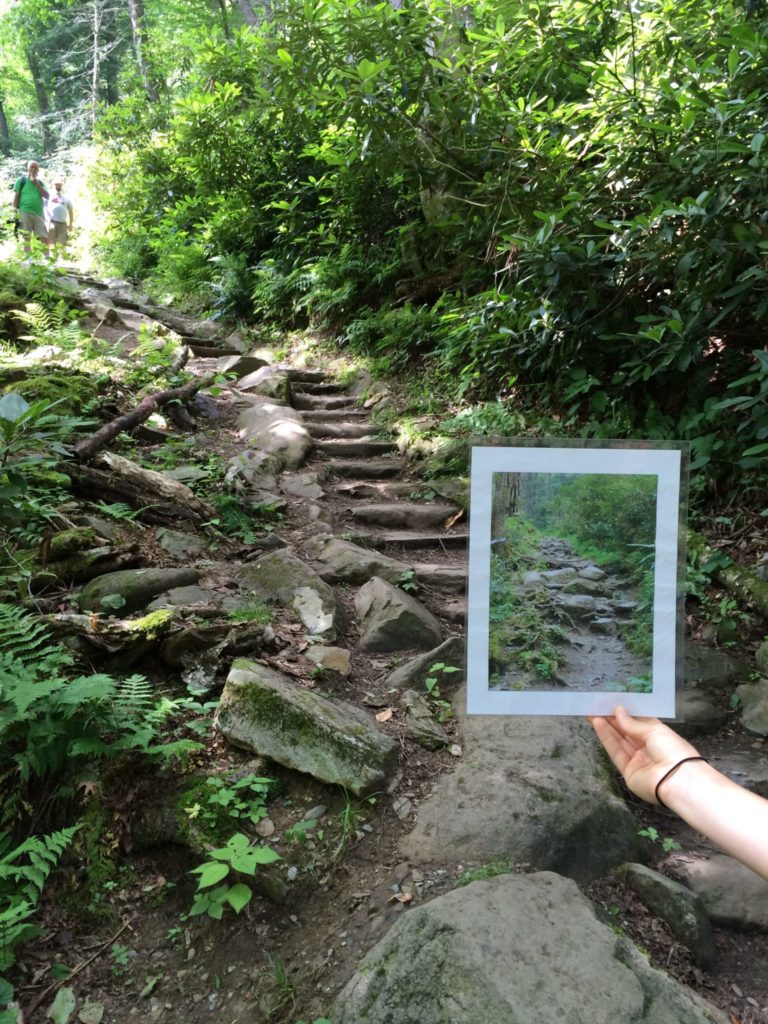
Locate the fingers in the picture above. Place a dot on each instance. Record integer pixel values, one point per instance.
(616, 746)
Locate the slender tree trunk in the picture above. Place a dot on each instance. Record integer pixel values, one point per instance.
(224, 19)
(139, 31)
(5, 135)
(41, 94)
(96, 18)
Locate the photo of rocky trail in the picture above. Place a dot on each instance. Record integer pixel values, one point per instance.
(572, 582)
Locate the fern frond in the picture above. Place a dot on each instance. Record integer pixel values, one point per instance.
(134, 700)
(23, 637)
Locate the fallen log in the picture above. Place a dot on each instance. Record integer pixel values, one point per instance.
(745, 585)
(151, 482)
(99, 485)
(88, 447)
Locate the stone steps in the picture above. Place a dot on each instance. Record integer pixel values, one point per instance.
(320, 386)
(409, 538)
(356, 449)
(369, 469)
(334, 415)
(451, 579)
(341, 430)
(304, 401)
(296, 376)
(403, 515)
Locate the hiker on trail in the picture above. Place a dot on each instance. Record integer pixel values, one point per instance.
(61, 215)
(662, 768)
(29, 195)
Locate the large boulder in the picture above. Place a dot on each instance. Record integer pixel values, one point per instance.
(711, 669)
(136, 588)
(731, 893)
(264, 711)
(282, 578)
(754, 706)
(393, 620)
(346, 562)
(254, 473)
(537, 791)
(515, 949)
(415, 671)
(268, 381)
(276, 429)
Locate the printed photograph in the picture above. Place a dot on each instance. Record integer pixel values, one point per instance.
(574, 601)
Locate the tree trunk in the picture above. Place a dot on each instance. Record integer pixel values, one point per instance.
(224, 19)
(41, 93)
(5, 135)
(96, 14)
(139, 31)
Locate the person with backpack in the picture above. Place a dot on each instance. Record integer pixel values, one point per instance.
(29, 196)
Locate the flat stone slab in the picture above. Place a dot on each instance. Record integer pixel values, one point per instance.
(515, 949)
(302, 485)
(412, 538)
(382, 490)
(355, 429)
(178, 544)
(240, 366)
(348, 563)
(195, 599)
(393, 620)
(731, 893)
(264, 711)
(448, 578)
(356, 449)
(136, 587)
(368, 469)
(710, 669)
(323, 403)
(403, 514)
(536, 790)
(332, 659)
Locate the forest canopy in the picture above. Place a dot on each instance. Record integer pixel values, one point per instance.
(559, 205)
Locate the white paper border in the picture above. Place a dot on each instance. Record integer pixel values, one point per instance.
(662, 463)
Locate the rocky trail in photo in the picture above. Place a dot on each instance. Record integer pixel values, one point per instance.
(465, 869)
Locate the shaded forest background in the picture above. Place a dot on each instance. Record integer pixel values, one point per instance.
(558, 208)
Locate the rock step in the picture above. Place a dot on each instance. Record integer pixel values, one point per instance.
(409, 538)
(204, 349)
(323, 402)
(371, 469)
(335, 415)
(342, 430)
(389, 490)
(405, 514)
(356, 449)
(451, 579)
(296, 376)
(320, 387)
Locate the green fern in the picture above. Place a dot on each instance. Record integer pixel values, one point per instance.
(49, 325)
(22, 637)
(23, 873)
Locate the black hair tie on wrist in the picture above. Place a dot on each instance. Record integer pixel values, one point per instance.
(671, 771)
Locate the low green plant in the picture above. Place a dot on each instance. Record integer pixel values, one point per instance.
(667, 843)
(220, 800)
(244, 522)
(238, 856)
(436, 674)
(497, 867)
(253, 611)
(407, 580)
(350, 820)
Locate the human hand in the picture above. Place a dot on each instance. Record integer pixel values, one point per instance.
(643, 749)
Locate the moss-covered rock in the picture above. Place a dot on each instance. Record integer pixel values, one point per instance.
(136, 587)
(263, 711)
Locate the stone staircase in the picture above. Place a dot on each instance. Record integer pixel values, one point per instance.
(374, 504)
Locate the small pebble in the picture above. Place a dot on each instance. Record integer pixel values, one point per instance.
(292, 873)
(315, 813)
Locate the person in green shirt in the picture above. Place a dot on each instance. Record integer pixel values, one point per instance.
(29, 195)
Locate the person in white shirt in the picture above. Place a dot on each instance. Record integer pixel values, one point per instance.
(61, 215)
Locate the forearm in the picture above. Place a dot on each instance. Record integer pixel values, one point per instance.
(731, 816)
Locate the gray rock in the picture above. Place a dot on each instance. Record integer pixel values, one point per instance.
(536, 790)
(415, 671)
(681, 908)
(348, 563)
(255, 473)
(265, 712)
(187, 474)
(420, 723)
(277, 430)
(136, 586)
(578, 606)
(393, 620)
(361, 382)
(269, 382)
(532, 578)
(604, 625)
(761, 657)
(302, 485)
(580, 586)
(282, 578)
(730, 892)
(240, 366)
(403, 515)
(557, 575)
(711, 669)
(700, 714)
(515, 949)
(754, 706)
(592, 572)
(105, 528)
(179, 545)
(332, 659)
(749, 770)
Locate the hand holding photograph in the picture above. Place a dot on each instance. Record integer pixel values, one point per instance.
(574, 603)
